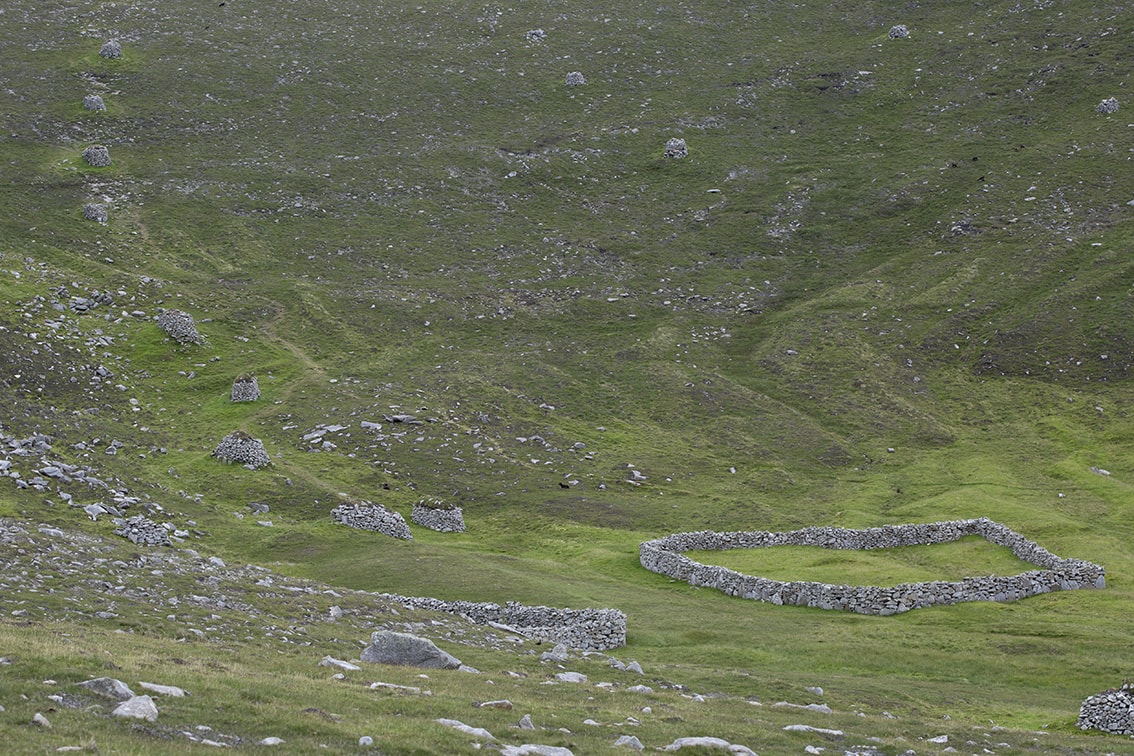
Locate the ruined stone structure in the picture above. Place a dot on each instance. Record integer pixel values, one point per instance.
(97, 156)
(96, 212)
(180, 327)
(93, 102)
(241, 448)
(900, 31)
(245, 388)
(142, 531)
(110, 49)
(435, 515)
(1110, 711)
(676, 148)
(664, 556)
(368, 516)
(1107, 106)
(575, 79)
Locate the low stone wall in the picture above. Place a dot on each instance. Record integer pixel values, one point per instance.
(245, 389)
(665, 556)
(241, 448)
(367, 516)
(441, 520)
(1110, 711)
(143, 531)
(588, 629)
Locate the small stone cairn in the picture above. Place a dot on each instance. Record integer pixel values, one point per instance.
(367, 516)
(245, 388)
(676, 148)
(143, 531)
(1107, 106)
(535, 35)
(97, 156)
(435, 514)
(110, 49)
(180, 327)
(95, 212)
(93, 102)
(899, 31)
(1110, 711)
(575, 79)
(241, 448)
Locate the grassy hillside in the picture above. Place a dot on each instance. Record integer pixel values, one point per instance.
(888, 284)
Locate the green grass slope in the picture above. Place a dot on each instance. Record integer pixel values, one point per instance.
(889, 284)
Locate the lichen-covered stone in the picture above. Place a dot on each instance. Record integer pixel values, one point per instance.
(443, 519)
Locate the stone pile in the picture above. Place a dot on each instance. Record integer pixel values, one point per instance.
(180, 327)
(81, 305)
(676, 148)
(1109, 105)
(97, 155)
(535, 35)
(432, 514)
(900, 31)
(95, 212)
(368, 516)
(93, 102)
(575, 79)
(588, 629)
(241, 448)
(1110, 711)
(110, 49)
(245, 388)
(665, 556)
(142, 531)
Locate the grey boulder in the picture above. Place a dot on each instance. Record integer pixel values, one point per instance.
(388, 647)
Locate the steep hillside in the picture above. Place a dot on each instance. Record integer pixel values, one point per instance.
(888, 283)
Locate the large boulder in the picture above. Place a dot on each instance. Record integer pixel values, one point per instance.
(108, 687)
(388, 647)
(138, 707)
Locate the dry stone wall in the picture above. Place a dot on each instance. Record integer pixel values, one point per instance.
(588, 629)
(665, 557)
(243, 449)
(180, 327)
(367, 516)
(1110, 711)
(245, 389)
(441, 520)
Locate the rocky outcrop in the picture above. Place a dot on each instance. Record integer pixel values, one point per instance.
(367, 516)
(1110, 711)
(245, 388)
(241, 448)
(97, 155)
(665, 556)
(180, 327)
(388, 647)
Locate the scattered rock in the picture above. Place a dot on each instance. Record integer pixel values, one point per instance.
(900, 31)
(365, 741)
(97, 155)
(164, 690)
(110, 49)
(388, 647)
(531, 749)
(571, 677)
(817, 730)
(680, 743)
(629, 741)
(525, 722)
(138, 707)
(476, 732)
(41, 721)
(330, 661)
(271, 741)
(676, 148)
(108, 687)
(499, 704)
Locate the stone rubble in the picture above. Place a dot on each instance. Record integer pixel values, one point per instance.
(110, 49)
(93, 102)
(1107, 106)
(899, 31)
(95, 211)
(676, 148)
(245, 388)
(142, 531)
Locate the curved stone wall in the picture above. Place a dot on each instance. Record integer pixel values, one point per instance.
(665, 556)
(588, 629)
(1109, 711)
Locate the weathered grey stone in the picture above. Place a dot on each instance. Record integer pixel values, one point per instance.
(241, 448)
(629, 741)
(245, 388)
(388, 647)
(180, 327)
(95, 212)
(899, 31)
(1109, 105)
(93, 102)
(431, 514)
(164, 690)
(575, 79)
(138, 707)
(367, 516)
(108, 687)
(97, 155)
(110, 49)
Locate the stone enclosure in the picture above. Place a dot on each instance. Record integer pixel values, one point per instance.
(1110, 711)
(665, 557)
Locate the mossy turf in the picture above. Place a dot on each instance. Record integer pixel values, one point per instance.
(888, 284)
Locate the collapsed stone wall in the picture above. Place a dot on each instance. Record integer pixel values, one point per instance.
(588, 629)
(180, 327)
(664, 556)
(1110, 711)
(367, 516)
(245, 388)
(243, 449)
